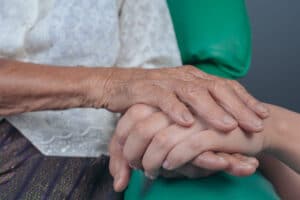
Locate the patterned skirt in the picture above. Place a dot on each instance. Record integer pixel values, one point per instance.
(25, 174)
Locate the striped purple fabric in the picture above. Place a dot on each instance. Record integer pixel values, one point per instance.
(25, 174)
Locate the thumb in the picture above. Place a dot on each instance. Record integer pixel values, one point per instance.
(122, 177)
(118, 166)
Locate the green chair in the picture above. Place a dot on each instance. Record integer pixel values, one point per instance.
(213, 35)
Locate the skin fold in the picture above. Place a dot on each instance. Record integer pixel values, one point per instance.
(277, 147)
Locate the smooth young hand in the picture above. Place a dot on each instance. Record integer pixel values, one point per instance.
(143, 124)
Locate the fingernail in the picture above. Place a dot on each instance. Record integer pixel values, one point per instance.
(228, 120)
(261, 108)
(188, 118)
(166, 165)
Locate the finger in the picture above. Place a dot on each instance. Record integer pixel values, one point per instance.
(176, 110)
(141, 135)
(210, 161)
(121, 179)
(134, 114)
(168, 102)
(258, 107)
(237, 167)
(161, 145)
(255, 105)
(232, 103)
(247, 159)
(187, 150)
(118, 166)
(212, 140)
(207, 108)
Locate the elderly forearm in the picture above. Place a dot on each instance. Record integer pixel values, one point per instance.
(28, 87)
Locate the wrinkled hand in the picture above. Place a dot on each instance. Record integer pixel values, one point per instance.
(149, 130)
(222, 103)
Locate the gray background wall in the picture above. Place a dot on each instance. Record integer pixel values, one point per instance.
(275, 73)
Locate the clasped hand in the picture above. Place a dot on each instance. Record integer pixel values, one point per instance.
(146, 138)
(156, 133)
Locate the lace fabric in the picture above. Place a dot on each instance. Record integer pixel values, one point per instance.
(93, 33)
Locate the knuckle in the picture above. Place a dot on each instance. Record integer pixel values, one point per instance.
(221, 85)
(191, 92)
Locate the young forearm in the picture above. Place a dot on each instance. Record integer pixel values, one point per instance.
(285, 180)
(28, 87)
(283, 138)
(280, 161)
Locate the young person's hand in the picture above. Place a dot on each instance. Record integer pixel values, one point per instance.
(143, 124)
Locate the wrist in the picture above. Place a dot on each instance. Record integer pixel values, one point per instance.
(281, 130)
(275, 126)
(110, 88)
(95, 86)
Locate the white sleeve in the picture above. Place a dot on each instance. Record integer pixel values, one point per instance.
(147, 35)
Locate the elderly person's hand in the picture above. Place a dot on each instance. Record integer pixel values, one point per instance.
(151, 135)
(26, 87)
(173, 90)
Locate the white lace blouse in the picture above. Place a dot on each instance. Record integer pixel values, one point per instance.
(92, 33)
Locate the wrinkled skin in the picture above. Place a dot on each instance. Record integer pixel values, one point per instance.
(179, 92)
(222, 103)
